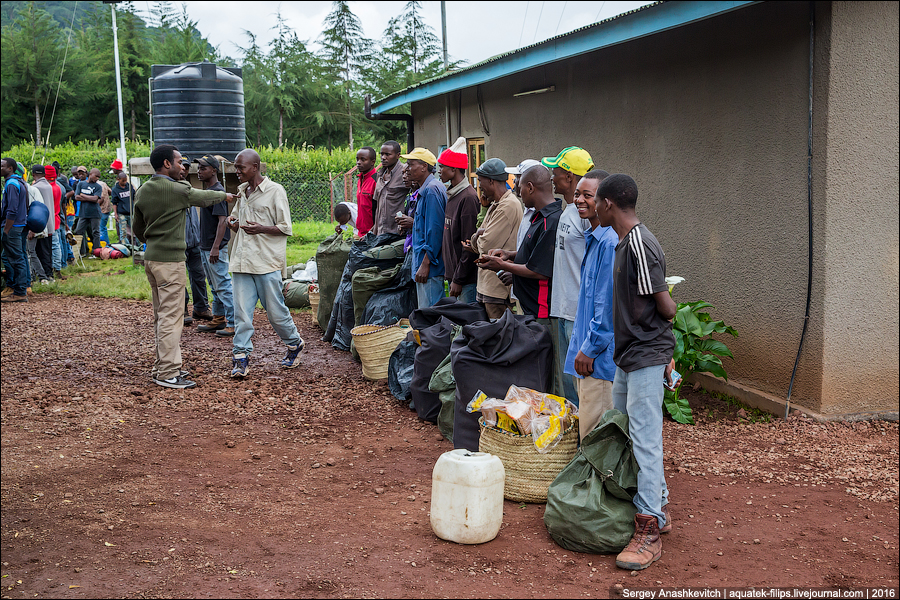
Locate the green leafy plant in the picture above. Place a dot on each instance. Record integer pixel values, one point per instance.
(696, 351)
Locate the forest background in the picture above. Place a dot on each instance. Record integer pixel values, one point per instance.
(58, 74)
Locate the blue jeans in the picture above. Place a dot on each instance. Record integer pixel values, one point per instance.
(64, 244)
(266, 288)
(104, 228)
(15, 257)
(430, 292)
(639, 394)
(467, 294)
(220, 282)
(564, 385)
(56, 250)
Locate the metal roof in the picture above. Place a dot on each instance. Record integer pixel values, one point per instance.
(638, 23)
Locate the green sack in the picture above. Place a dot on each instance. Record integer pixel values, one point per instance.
(366, 282)
(331, 256)
(444, 385)
(387, 251)
(296, 294)
(589, 504)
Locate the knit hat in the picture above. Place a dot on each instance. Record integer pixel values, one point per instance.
(116, 164)
(455, 155)
(493, 168)
(50, 171)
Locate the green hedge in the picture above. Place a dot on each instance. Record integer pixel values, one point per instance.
(304, 160)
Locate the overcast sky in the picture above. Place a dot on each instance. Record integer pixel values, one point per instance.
(475, 30)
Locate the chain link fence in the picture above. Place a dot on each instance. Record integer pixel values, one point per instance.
(312, 197)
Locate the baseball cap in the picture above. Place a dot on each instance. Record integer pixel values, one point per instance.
(422, 154)
(82, 168)
(573, 159)
(493, 168)
(208, 160)
(38, 169)
(116, 164)
(522, 166)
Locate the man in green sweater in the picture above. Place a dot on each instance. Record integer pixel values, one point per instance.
(158, 220)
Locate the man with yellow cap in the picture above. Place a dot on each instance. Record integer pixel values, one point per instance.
(428, 227)
(568, 167)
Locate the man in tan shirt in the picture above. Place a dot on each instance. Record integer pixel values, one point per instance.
(501, 224)
(261, 221)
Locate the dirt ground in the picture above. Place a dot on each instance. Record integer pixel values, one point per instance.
(316, 483)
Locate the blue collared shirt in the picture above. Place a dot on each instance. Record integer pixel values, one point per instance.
(592, 333)
(428, 226)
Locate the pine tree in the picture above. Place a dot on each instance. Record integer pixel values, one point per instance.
(32, 47)
(345, 50)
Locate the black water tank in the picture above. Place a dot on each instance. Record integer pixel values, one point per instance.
(199, 108)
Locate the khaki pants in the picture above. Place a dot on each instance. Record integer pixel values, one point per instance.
(594, 399)
(167, 281)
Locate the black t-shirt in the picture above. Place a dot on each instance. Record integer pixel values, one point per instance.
(536, 253)
(643, 337)
(209, 221)
(122, 197)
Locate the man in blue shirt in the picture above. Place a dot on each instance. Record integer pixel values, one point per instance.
(590, 353)
(14, 212)
(88, 193)
(428, 227)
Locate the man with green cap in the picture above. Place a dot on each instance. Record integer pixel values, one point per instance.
(568, 167)
(498, 232)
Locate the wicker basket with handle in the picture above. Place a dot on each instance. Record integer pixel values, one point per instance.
(375, 344)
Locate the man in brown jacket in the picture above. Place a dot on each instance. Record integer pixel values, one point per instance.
(497, 232)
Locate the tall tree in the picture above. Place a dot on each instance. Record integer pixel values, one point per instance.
(345, 50)
(32, 47)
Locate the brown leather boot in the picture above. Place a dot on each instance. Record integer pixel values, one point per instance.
(217, 323)
(645, 547)
(225, 332)
(668, 526)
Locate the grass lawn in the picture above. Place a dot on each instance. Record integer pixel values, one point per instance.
(121, 279)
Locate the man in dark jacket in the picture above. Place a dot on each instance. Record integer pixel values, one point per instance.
(459, 222)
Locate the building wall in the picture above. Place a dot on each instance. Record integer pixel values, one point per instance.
(712, 120)
(856, 235)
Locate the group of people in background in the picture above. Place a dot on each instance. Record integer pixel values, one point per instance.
(78, 205)
(559, 240)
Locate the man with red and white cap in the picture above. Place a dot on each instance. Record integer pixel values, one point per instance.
(460, 217)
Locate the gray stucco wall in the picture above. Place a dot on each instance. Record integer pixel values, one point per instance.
(711, 121)
(856, 235)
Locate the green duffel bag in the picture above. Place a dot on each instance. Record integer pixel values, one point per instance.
(386, 252)
(444, 385)
(589, 504)
(296, 293)
(366, 282)
(331, 256)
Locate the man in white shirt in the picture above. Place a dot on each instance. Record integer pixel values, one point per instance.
(261, 221)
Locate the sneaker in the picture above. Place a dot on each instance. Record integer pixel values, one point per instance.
(225, 332)
(203, 316)
(46, 281)
(668, 526)
(178, 383)
(182, 373)
(290, 358)
(217, 323)
(240, 366)
(645, 547)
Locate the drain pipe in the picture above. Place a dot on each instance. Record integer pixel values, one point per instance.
(410, 135)
(809, 154)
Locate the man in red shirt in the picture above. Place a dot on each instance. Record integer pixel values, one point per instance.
(59, 215)
(365, 190)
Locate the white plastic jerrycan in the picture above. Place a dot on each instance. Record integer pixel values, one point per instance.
(467, 496)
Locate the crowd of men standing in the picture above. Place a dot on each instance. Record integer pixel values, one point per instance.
(562, 243)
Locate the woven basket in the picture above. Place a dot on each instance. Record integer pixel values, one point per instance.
(528, 472)
(314, 304)
(375, 344)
